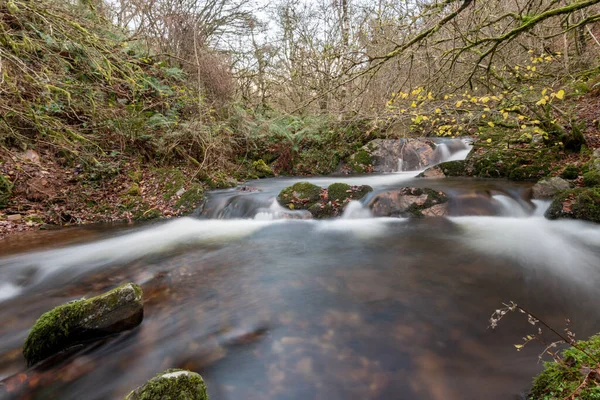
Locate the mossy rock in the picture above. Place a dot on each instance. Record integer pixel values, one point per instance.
(560, 380)
(173, 384)
(408, 202)
(339, 192)
(454, 168)
(220, 181)
(322, 211)
(84, 320)
(261, 169)
(146, 213)
(300, 196)
(591, 178)
(570, 172)
(529, 172)
(192, 198)
(6, 188)
(580, 203)
(511, 164)
(360, 162)
(361, 192)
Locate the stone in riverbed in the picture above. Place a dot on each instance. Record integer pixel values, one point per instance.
(548, 188)
(580, 203)
(409, 202)
(83, 320)
(300, 196)
(173, 384)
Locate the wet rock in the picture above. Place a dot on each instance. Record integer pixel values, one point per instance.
(83, 320)
(580, 203)
(323, 210)
(478, 203)
(409, 202)
(414, 154)
(360, 162)
(448, 168)
(300, 196)
(173, 384)
(548, 188)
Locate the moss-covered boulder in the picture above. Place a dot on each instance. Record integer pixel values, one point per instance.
(299, 196)
(409, 202)
(448, 168)
(570, 172)
(591, 178)
(580, 203)
(339, 192)
(191, 198)
(323, 211)
(261, 169)
(6, 187)
(360, 162)
(173, 384)
(564, 380)
(84, 320)
(361, 191)
(511, 164)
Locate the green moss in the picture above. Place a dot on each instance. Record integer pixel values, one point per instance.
(339, 192)
(512, 164)
(453, 168)
(61, 327)
(134, 190)
(6, 187)
(560, 380)
(529, 172)
(580, 203)
(322, 211)
(591, 178)
(570, 172)
(191, 198)
(300, 196)
(34, 218)
(173, 384)
(261, 169)
(146, 213)
(219, 181)
(361, 192)
(172, 180)
(360, 161)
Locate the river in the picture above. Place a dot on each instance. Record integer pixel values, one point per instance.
(267, 305)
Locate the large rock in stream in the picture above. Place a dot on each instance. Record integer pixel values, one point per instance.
(579, 203)
(409, 202)
(84, 320)
(548, 188)
(391, 155)
(173, 384)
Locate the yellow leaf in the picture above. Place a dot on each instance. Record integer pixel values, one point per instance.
(489, 140)
(491, 124)
(560, 94)
(437, 110)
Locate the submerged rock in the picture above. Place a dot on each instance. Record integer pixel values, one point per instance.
(409, 202)
(580, 203)
(83, 320)
(173, 384)
(548, 188)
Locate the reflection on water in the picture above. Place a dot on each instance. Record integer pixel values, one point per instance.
(355, 308)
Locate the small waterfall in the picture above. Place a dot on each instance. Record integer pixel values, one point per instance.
(443, 152)
(400, 165)
(511, 207)
(541, 206)
(356, 210)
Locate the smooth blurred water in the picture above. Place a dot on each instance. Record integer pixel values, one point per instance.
(267, 306)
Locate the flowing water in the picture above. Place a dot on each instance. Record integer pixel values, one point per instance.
(268, 305)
